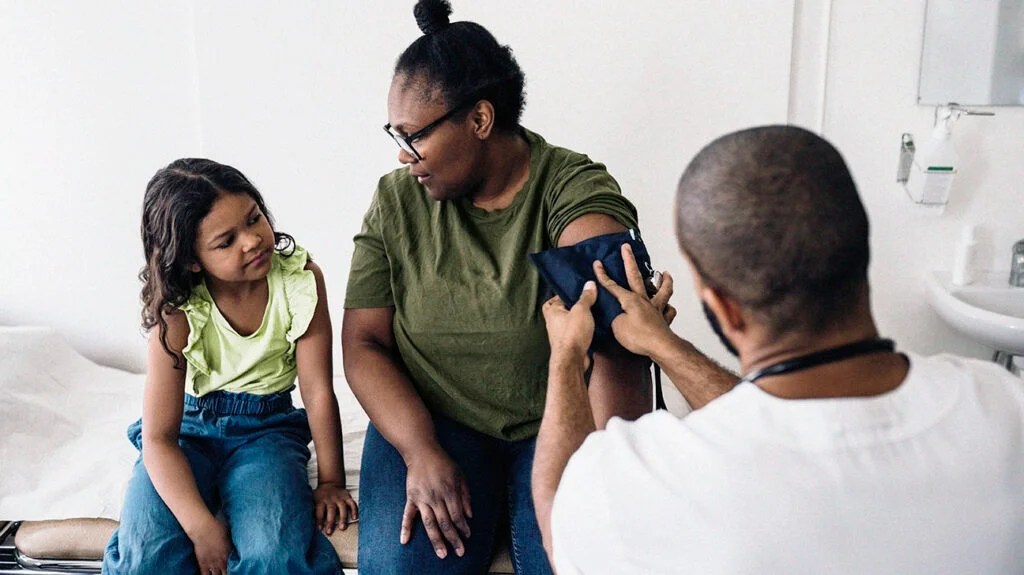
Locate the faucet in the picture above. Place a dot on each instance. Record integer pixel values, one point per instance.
(1017, 265)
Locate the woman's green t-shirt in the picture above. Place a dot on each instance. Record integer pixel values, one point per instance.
(467, 301)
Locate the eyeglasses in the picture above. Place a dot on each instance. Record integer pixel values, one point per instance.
(405, 142)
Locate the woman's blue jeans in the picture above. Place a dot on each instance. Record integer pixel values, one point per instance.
(248, 455)
(498, 475)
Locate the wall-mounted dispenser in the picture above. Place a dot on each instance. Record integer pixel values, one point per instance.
(927, 174)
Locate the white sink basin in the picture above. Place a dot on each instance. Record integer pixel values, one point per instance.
(989, 310)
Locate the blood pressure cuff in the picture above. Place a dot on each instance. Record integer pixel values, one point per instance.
(566, 269)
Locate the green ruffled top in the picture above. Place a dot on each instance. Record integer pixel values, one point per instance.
(219, 359)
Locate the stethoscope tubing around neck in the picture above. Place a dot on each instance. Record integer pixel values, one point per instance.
(822, 357)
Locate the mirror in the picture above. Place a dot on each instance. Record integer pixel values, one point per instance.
(973, 53)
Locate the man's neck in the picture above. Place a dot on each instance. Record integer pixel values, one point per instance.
(858, 376)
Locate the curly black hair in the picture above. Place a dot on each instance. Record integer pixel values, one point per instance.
(177, 199)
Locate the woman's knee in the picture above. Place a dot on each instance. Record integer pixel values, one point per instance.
(403, 559)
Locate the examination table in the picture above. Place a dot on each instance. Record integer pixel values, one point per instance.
(65, 459)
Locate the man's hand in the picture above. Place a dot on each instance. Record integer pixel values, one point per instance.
(438, 493)
(333, 507)
(644, 321)
(570, 331)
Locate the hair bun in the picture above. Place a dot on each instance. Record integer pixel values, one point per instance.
(432, 15)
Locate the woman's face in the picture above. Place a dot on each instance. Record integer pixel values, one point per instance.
(449, 152)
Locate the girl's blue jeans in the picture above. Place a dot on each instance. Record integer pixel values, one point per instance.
(248, 455)
(498, 475)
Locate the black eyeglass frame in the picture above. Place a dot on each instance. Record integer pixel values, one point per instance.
(405, 142)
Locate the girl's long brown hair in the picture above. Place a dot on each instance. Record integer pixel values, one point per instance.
(177, 199)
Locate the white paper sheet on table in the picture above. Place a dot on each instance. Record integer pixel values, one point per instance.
(63, 448)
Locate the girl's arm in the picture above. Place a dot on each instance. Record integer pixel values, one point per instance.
(333, 504)
(168, 468)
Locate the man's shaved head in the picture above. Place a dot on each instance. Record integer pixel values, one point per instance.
(770, 216)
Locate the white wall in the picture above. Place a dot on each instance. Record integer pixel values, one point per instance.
(871, 99)
(93, 98)
(98, 95)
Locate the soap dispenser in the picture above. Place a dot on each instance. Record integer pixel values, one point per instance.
(927, 173)
(963, 257)
(931, 175)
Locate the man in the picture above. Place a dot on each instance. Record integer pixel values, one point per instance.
(834, 454)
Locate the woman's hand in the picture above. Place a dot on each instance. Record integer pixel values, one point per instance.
(644, 320)
(333, 507)
(212, 545)
(436, 491)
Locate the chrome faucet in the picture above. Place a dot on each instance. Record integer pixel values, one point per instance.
(1017, 265)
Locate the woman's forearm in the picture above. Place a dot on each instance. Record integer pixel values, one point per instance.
(388, 397)
(620, 385)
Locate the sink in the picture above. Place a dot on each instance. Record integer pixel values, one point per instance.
(989, 310)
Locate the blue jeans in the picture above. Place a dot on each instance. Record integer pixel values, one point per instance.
(248, 455)
(498, 475)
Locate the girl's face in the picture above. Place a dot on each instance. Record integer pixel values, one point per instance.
(234, 241)
(449, 151)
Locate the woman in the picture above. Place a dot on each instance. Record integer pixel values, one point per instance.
(443, 338)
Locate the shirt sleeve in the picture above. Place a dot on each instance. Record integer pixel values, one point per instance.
(585, 187)
(300, 290)
(369, 279)
(582, 531)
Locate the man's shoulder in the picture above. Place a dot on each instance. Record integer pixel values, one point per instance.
(946, 367)
(982, 383)
(956, 363)
(656, 439)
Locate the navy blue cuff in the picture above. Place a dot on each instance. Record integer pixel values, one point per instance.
(565, 270)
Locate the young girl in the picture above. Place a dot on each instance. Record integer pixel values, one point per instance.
(239, 311)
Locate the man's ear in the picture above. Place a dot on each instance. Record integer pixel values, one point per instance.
(482, 117)
(730, 314)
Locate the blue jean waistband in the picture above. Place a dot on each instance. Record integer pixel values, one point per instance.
(227, 403)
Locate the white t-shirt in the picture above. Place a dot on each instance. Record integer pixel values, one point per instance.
(928, 478)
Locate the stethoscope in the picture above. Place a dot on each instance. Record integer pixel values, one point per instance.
(830, 355)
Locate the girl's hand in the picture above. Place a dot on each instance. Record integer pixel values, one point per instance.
(212, 545)
(436, 491)
(333, 507)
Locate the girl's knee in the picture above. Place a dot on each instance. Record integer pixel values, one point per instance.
(265, 559)
(140, 552)
(287, 551)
